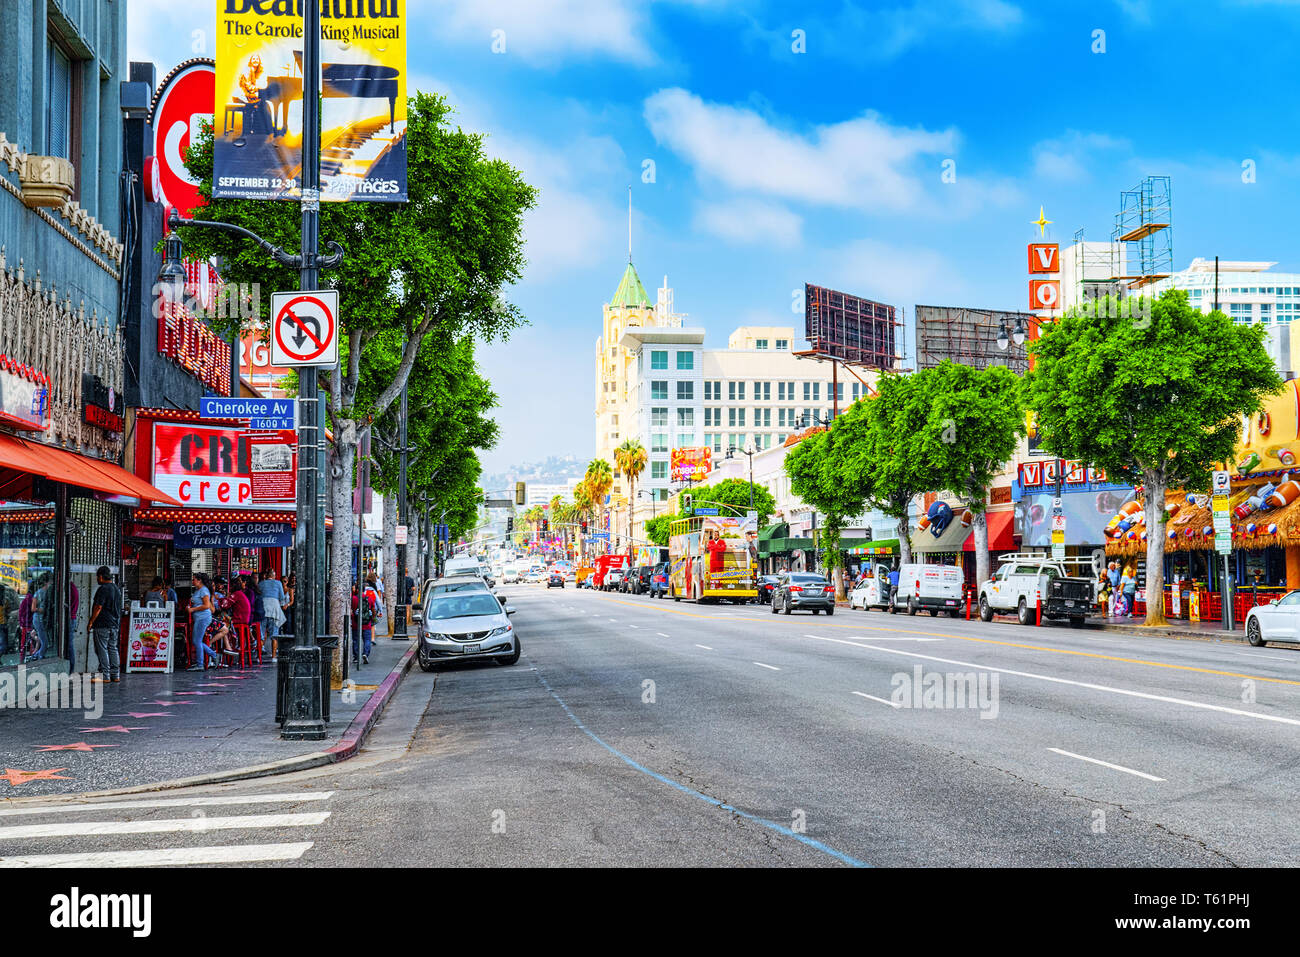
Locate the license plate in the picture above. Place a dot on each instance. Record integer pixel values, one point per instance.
(950, 602)
(469, 649)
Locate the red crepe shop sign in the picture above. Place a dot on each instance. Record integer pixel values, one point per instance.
(207, 466)
(24, 396)
(194, 346)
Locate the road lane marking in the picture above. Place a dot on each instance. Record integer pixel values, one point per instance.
(1106, 764)
(772, 667)
(676, 785)
(661, 634)
(83, 806)
(892, 704)
(615, 620)
(1067, 681)
(894, 638)
(705, 647)
(1013, 644)
(1251, 654)
(631, 626)
(88, 828)
(167, 857)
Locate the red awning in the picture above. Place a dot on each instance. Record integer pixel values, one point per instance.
(73, 469)
(1001, 538)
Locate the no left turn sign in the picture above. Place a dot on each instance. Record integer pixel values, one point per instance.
(305, 328)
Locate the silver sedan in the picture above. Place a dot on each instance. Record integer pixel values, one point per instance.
(466, 625)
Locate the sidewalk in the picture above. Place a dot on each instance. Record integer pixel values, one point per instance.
(209, 726)
(1205, 630)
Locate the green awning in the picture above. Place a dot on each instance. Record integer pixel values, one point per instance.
(780, 529)
(781, 546)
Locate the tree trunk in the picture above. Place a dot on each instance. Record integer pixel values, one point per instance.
(389, 571)
(904, 539)
(981, 528)
(343, 454)
(1155, 529)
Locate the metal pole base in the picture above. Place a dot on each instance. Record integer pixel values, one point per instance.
(399, 623)
(302, 706)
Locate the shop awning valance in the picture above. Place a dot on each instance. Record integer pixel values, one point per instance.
(80, 470)
(779, 530)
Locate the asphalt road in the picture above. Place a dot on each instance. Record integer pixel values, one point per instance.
(636, 732)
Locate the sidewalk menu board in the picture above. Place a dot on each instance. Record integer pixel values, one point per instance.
(149, 637)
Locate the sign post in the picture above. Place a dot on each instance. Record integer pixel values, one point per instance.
(1221, 489)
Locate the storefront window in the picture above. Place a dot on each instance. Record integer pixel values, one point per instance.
(26, 567)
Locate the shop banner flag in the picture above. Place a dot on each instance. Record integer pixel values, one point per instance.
(257, 132)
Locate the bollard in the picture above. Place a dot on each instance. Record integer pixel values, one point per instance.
(968, 594)
(1038, 616)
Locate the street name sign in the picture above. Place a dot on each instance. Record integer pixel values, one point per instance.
(262, 414)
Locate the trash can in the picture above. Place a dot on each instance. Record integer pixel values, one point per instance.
(328, 645)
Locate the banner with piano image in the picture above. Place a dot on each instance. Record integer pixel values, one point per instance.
(257, 146)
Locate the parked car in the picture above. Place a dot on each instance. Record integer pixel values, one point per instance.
(1279, 620)
(465, 624)
(555, 579)
(639, 579)
(803, 591)
(934, 588)
(872, 589)
(658, 586)
(1023, 580)
(613, 578)
(766, 586)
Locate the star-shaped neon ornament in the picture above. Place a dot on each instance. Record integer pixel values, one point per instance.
(16, 777)
(1042, 222)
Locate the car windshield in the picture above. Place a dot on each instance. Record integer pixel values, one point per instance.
(459, 586)
(808, 580)
(462, 606)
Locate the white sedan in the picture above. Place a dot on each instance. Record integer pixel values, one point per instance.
(1277, 621)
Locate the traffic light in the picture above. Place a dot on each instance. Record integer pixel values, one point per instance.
(510, 524)
(546, 525)
(686, 501)
(584, 526)
(519, 493)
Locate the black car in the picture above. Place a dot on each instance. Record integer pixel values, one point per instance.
(555, 578)
(803, 591)
(766, 586)
(638, 580)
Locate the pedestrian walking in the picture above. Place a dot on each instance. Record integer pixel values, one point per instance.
(274, 599)
(367, 606)
(201, 610)
(1103, 593)
(40, 603)
(1112, 573)
(104, 625)
(290, 587)
(1129, 585)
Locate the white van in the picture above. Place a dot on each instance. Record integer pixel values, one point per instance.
(936, 587)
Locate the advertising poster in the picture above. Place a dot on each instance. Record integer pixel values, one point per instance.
(257, 144)
(691, 464)
(149, 637)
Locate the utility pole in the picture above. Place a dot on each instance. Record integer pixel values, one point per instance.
(303, 718)
(403, 516)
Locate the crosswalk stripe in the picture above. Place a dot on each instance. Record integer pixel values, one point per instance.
(84, 806)
(165, 857)
(196, 824)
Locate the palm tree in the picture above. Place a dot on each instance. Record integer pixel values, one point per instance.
(631, 459)
(582, 502)
(600, 479)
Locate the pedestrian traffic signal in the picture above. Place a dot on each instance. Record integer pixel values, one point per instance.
(519, 493)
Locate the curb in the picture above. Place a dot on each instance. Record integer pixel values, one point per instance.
(348, 746)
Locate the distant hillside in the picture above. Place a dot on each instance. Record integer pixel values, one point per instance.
(555, 469)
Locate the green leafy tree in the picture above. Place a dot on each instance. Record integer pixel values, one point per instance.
(733, 493)
(817, 467)
(980, 417)
(656, 530)
(1156, 400)
(438, 261)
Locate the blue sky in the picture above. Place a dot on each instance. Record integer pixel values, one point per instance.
(774, 167)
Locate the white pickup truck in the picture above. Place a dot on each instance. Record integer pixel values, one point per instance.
(1023, 580)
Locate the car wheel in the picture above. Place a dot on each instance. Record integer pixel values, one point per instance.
(816, 611)
(773, 603)
(788, 609)
(511, 658)
(1023, 614)
(911, 606)
(1253, 633)
(676, 597)
(830, 611)
(426, 665)
(934, 612)
(954, 613)
(986, 612)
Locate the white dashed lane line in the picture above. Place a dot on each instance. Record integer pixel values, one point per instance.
(661, 634)
(769, 667)
(705, 647)
(1106, 764)
(863, 694)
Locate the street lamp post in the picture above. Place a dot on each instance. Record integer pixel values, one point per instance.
(731, 451)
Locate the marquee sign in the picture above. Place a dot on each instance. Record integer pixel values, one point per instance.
(207, 466)
(182, 104)
(24, 396)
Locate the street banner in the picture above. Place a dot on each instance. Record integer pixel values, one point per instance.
(257, 130)
(150, 630)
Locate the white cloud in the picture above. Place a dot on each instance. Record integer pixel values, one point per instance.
(750, 221)
(1068, 158)
(863, 163)
(541, 31)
